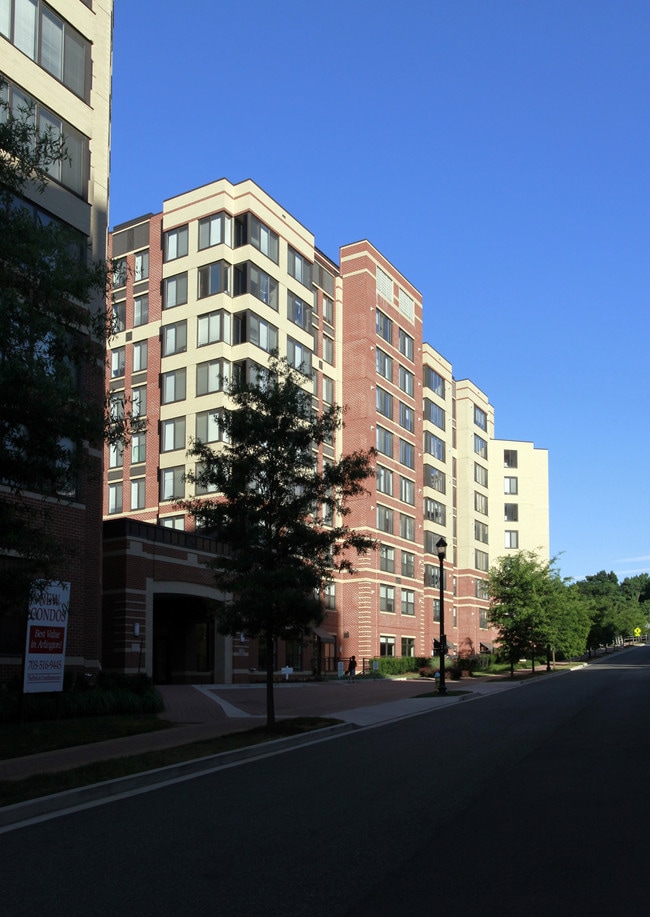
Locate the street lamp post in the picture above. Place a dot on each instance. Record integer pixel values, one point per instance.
(441, 548)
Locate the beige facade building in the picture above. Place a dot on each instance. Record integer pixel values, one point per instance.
(55, 60)
(208, 288)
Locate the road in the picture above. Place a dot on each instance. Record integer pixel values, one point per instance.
(531, 801)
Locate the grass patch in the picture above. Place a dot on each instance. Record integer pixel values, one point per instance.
(14, 791)
(32, 738)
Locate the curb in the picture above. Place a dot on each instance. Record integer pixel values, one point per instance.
(42, 806)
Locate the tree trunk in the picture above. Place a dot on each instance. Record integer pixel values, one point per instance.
(270, 696)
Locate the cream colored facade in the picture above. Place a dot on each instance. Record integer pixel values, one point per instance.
(59, 56)
(519, 496)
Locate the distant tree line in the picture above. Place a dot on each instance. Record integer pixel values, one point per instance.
(539, 614)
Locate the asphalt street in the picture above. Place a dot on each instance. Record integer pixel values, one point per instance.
(527, 801)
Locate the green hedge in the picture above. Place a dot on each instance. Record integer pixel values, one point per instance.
(131, 695)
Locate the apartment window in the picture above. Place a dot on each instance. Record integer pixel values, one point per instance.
(138, 448)
(116, 406)
(384, 441)
(406, 381)
(408, 564)
(509, 458)
(430, 541)
(328, 350)
(119, 316)
(435, 478)
(482, 618)
(480, 475)
(298, 311)
(480, 418)
(436, 610)
(407, 453)
(386, 643)
(212, 328)
(115, 498)
(175, 243)
(138, 493)
(115, 455)
(407, 527)
(251, 279)
(213, 279)
(511, 485)
(480, 531)
(299, 356)
(434, 446)
(386, 558)
(386, 598)
(50, 41)
(140, 310)
(384, 326)
(328, 390)
(212, 376)
(384, 479)
(406, 344)
(141, 266)
(172, 434)
(384, 285)
(384, 402)
(330, 595)
(481, 589)
(172, 483)
(174, 386)
(406, 417)
(407, 491)
(511, 512)
(328, 310)
(480, 446)
(512, 539)
(481, 560)
(434, 381)
(434, 413)
(434, 511)
(118, 359)
(432, 575)
(119, 272)
(407, 603)
(175, 291)
(214, 230)
(384, 519)
(140, 356)
(480, 503)
(250, 230)
(209, 427)
(173, 522)
(299, 267)
(384, 365)
(408, 646)
(174, 338)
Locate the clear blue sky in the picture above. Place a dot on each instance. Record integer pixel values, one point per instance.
(496, 151)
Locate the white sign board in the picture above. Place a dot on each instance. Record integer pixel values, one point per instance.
(47, 630)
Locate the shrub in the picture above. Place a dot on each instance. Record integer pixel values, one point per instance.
(396, 665)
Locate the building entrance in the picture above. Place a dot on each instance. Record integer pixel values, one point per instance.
(183, 640)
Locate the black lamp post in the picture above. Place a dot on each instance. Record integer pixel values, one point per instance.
(441, 548)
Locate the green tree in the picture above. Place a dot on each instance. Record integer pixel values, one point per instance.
(53, 330)
(521, 604)
(278, 510)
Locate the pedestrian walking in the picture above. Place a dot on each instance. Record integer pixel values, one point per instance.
(352, 667)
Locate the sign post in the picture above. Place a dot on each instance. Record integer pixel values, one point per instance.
(47, 630)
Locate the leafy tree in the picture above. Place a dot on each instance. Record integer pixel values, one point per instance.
(53, 331)
(272, 506)
(522, 600)
(616, 608)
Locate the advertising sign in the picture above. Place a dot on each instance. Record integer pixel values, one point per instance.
(47, 629)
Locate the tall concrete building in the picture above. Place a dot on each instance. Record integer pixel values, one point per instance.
(56, 57)
(209, 287)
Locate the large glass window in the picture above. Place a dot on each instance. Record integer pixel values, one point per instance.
(480, 446)
(140, 356)
(435, 511)
(174, 338)
(115, 498)
(384, 365)
(172, 434)
(386, 558)
(140, 310)
(386, 643)
(434, 413)
(384, 402)
(251, 279)
(248, 326)
(384, 441)
(407, 491)
(435, 478)
(406, 345)
(209, 428)
(407, 604)
(407, 453)
(141, 266)
(407, 527)
(175, 243)
(408, 564)
(172, 483)
(212, 376)
(299, 268)
(384, 519)
(250, 230)
(213, 278)
(434, 381)
(434, 446)
(384, 326)
(406, 381)
(298, 311)
(386, 598)
(299, 356)
(175, 291)
(406, 417)
(213, 327)
(138, 448)
(138, 493)
(510, 485)
(173, 386)
(214, 230)
(384, 479)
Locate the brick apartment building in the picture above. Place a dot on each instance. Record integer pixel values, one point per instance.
(56, 57)
(220, 278)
